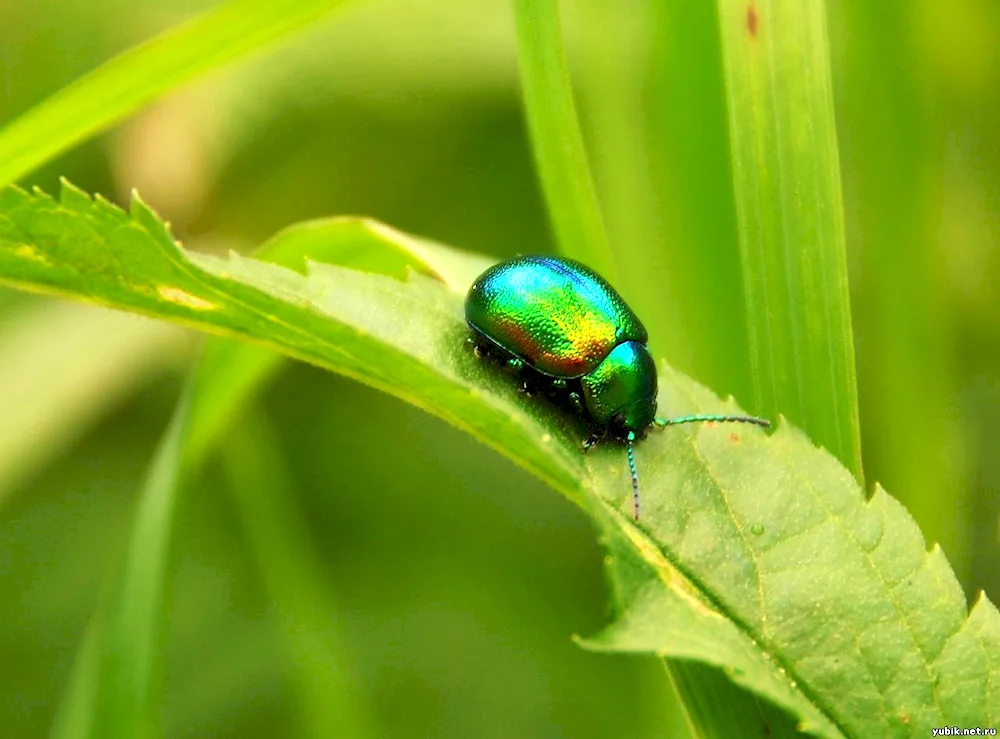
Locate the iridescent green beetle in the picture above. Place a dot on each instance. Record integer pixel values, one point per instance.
(566, 328)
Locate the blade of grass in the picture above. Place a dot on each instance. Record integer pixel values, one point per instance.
(655, 105)
(788, 203)
(113, 689)
(264, 497)
(555, 136)
(125, 84)
(75, 713)
(689, 157)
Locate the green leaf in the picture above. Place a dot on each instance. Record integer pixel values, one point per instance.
(136, 78)
(757, 555)
(555, 136)
(790, 218)
(838, 593)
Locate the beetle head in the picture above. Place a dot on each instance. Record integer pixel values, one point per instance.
(620, 393)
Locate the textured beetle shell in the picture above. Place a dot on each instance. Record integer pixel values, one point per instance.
(558, 315)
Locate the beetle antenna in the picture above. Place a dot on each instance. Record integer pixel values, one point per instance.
(635, 474)
(663, 422)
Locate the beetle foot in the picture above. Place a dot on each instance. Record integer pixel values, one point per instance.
(477, 349)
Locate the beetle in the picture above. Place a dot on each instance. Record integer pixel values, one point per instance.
(570, 334)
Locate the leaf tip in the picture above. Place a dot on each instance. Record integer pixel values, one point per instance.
(144, 214)
(72, 196)
(984, 608)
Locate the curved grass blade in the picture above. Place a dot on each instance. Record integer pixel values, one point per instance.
(757, 555)
(556, 138)
(114, 685)
(292, 572)
(786, 180)
(125, 84)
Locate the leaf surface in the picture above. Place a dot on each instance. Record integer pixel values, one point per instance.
(756, 554)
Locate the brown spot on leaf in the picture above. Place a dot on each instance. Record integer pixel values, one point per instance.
(752, 20)
(734, 438)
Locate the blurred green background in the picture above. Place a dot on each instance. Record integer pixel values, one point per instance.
(456, 581)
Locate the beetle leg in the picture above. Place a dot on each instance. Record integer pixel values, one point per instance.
(574, 399)
(477, 349)
(591, 440)
(596, 435)
(515, 364)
